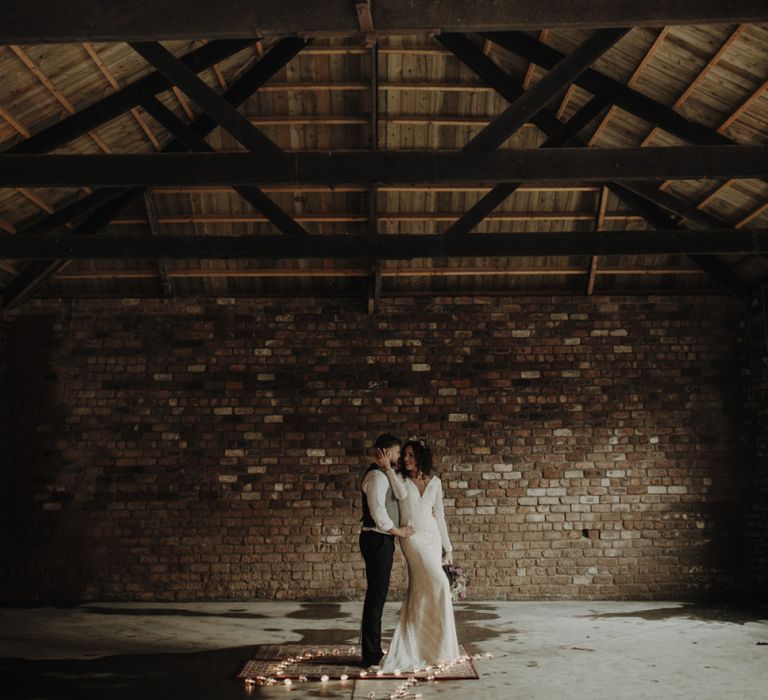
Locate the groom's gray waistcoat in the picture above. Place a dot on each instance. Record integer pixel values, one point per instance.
(393, 509)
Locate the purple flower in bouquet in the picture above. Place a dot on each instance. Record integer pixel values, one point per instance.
(457, 581)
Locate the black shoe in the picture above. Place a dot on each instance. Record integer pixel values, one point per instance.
(371, 661)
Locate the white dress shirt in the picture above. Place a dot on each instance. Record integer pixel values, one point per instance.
(375, 486)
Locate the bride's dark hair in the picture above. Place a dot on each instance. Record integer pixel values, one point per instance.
(421, 452)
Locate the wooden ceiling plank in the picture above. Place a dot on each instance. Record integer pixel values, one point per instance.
(274, 61)
(650, 209)
(536, 98)
(721, 129)
(36, 199)
(630, 83)
(15, 124)
(220, 77)
(690, 90)
(179, 95)
(680, 207)
(72, 211)
(294, 273)
(561, 110)
(531, 69)
(624, 97)
(320, 217)
(60, 97)
(118, 103)
(39, 271)
(714, 194)
(743, 107)
(110, 78)
(483, 208)
(35, 275)
(759, 211)
(209, 100)
(218, 74)
(196, 143)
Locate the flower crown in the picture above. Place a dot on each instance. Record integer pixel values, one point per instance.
(418, 441)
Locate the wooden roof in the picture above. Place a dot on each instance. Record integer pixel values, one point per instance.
(405, 92)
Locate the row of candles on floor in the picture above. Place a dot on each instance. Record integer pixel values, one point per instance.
(402, 690)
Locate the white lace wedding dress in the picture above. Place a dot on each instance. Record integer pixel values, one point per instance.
(426, 632)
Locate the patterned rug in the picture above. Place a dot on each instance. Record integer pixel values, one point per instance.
(334, 662)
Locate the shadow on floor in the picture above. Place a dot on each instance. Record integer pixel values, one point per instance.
(735, 613)
(240, 614)
(207, 674)
(318, 611)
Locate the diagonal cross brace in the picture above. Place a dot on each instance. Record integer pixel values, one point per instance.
(630, 101)
(525, 107)
(622, 96)
(528, 104)
(196, 143)
(211, 102)
(118, 103)
(537, 97)
(32, 278)
(649, 208)
(130, 96)
(562, 137)
(226, 115)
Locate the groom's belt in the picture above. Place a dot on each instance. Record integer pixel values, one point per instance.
(378, 532)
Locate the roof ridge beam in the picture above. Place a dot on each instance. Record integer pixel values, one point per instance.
(60, 21)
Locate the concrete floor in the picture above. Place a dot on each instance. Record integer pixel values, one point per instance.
(542, 650)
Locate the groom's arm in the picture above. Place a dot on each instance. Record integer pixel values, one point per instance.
(375, 492)
(375, 488)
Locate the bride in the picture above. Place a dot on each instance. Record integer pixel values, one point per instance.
(426, 632)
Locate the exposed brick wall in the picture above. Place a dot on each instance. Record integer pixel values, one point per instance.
(590, 448)
(756, 427)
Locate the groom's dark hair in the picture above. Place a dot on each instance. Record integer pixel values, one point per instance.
(385, 441)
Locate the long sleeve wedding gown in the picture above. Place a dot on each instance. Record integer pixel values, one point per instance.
(426, 632)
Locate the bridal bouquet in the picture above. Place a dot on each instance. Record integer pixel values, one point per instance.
(458, 581)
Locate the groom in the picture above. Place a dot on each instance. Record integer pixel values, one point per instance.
(381, 515)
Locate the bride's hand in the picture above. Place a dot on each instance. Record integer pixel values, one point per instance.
(382, 460)
(448, 558)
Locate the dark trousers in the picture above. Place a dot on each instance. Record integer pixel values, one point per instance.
(377, 550)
